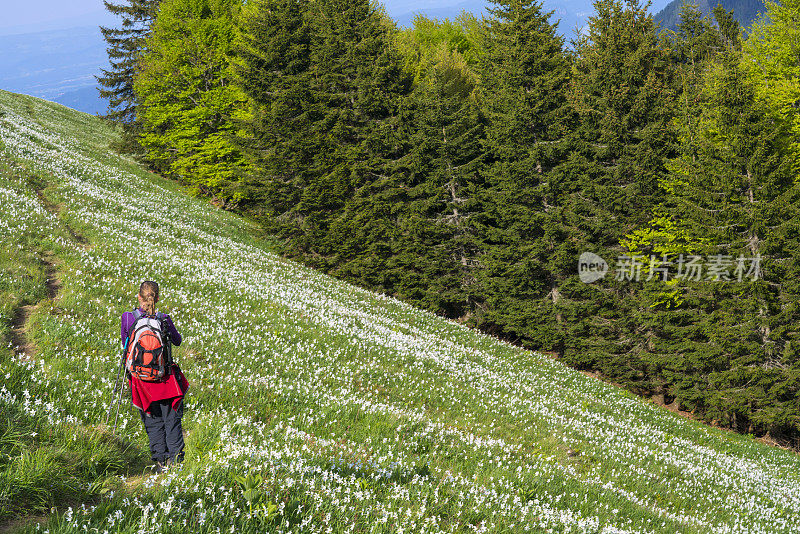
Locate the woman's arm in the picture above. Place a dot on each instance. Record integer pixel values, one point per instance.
(125, 324)
(174, 335)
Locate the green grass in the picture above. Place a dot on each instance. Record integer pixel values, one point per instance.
(43, 464)
(314, 405)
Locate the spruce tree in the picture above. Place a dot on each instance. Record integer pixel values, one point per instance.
(623, 92)
(696, 41)
(523, 79)
(272, 67)
(727, 347)
(324, 81)
(655, 300)
(358, 86)
(355, 84)
(421, 212)
(126, 45)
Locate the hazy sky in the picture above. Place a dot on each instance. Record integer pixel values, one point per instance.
(16, 13)
(32, 15)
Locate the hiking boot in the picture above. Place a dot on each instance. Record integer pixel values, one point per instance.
(158, 468)
(173, 462)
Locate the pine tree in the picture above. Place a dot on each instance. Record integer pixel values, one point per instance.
(126, 45)
(523, 78)
(273, 69)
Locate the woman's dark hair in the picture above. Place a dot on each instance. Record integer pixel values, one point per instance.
(149, 293)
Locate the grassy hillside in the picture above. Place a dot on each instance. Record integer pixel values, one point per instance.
(314, 405)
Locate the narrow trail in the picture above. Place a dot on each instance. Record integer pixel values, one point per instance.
(24, 349)
(16, 525)
(55, 209)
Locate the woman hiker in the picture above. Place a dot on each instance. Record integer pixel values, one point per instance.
(159, 400)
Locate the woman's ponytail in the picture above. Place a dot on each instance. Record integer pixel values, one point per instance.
(149, 293)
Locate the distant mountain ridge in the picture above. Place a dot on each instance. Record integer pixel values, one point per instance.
(744, 11)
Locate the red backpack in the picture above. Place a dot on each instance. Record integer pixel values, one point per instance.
(147, 355)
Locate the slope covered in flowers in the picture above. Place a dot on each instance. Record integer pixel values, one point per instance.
(318, 406)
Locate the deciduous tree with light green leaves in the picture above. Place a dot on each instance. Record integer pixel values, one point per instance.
(772, 53)
(424, 38)
(187, 96)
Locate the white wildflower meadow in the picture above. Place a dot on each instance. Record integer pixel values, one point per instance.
(360, 413)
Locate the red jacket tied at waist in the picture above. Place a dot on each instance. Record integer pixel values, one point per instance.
(174, 387)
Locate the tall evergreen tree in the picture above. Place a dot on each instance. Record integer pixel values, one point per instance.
(414, 224)
(623, 91)
(523, 78)
(658, 301)
(358, 85)
(331, 114)
(126, 45)
(697, 40)
(273, 69)
(727, 347)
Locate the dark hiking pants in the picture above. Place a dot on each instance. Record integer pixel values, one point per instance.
(164, 431)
